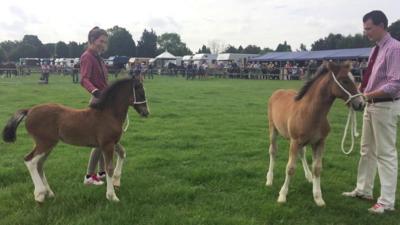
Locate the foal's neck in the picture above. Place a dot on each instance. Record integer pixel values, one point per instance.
(119, 106)
(319, 98)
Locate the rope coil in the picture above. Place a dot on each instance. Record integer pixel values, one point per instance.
(351, 119)
(352, 124)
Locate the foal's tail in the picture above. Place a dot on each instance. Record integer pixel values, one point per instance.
(10, 130)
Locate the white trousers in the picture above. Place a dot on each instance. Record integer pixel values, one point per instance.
(378, 150)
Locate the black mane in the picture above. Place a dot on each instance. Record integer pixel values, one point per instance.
(109, 94)
(322, 70)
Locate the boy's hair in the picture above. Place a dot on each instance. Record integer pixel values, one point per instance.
(95, 33)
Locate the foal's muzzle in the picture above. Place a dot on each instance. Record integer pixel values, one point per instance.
(142, 109)
(358, 103)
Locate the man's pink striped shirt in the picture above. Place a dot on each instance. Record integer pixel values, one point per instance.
(385, 74)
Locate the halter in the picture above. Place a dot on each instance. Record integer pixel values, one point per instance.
(351, 118)
(134, 98)
(345, 91)
(135, 103)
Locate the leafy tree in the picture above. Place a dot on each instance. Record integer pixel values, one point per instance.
(62, 50)
(147, 46)
(338, 41)
(284, 47)
(266, 50)
(3, 55)
(172, 43)
(75, 50)
(204, 49)
(231, 49)
(120, 42)
(8, 46)
(32, 40)
(51, 49)
(23, 50)
(303, 47)
(252, 49)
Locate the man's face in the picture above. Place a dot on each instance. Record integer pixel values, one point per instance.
(372, 31)
(101, 43)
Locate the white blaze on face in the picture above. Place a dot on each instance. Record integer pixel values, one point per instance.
(351, 76)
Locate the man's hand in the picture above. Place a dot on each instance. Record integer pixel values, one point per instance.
(366, 97)
(376, 94)
(96, 93)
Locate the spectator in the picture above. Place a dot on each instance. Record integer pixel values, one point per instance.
(45, 73)
(75, 73)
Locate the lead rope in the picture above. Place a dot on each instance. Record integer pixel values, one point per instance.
(352, 124)
(126, 123)
(351, 120)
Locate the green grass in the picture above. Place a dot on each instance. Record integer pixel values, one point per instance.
(200, 158)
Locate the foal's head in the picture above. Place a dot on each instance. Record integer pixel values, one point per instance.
(138, 100)
(122, 93)
(344, 85)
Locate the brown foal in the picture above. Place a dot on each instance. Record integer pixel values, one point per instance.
(302, 118)
(100, 125)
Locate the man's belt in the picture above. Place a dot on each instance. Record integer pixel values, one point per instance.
(376, 100)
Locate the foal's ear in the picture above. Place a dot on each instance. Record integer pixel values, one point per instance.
(334, 67)
(347, 65)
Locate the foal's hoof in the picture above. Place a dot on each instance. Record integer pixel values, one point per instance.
(268, 183)
(309, 178)
(112, 197)
(39, 197)
(281, 199)
(50, 194)
(320, 202)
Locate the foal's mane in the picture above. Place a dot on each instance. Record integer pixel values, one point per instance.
(109, 94)
(321, 71)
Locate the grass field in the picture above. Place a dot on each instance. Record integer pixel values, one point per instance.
(200, 158)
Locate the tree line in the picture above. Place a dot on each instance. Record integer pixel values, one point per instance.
(150, 45)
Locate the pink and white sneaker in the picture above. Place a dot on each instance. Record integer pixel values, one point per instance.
(93, 180)
(379, 209)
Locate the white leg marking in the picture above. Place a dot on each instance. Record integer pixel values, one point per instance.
(307, 171)
(118, 172)
(284, 190)
(40, 189)
(110, 194)
(50, 192)
(270, 174)
(317, 192)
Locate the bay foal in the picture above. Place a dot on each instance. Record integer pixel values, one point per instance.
(100, 125)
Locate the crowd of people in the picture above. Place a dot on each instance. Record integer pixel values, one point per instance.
(201, 69)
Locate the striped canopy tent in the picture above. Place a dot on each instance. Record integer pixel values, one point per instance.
(337, 54)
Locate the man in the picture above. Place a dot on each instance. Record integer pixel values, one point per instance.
(381, 88)
(45, 73)
(75, 73)
(94, 80)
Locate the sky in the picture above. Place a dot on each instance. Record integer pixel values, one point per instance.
(265, 23)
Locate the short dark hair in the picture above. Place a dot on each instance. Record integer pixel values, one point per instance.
(377, 18)
(95, 33)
